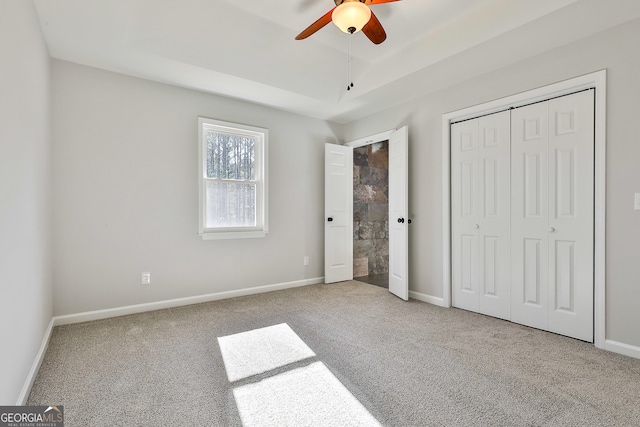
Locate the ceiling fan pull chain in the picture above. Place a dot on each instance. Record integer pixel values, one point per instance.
(349, 62)
(349, 80)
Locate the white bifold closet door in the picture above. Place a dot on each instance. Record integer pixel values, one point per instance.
(552, 215)
(480, 214)
(522, 215)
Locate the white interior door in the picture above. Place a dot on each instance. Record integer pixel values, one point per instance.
(530, 215)
(399, 213)
(552, 215)
(480, 169)
(338, 210)
(522, 220)
(571, 178)
(464, 215)
(494, 214)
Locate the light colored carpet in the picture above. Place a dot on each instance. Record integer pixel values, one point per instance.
(302, 397)
(261, 350)
(305, 396)
(406, 363)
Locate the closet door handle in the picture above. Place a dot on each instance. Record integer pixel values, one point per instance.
(476, 226)
(330, 219)
(551, 229)
(401, 220)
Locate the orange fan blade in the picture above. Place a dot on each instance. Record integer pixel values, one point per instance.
(374, 30)
(315, 26)
(379, 1)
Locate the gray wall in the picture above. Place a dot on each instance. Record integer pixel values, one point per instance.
(25, 210)
(126, 199)
(615, 50)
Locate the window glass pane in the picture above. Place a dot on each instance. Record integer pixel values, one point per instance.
(230, 204)
(230, 156)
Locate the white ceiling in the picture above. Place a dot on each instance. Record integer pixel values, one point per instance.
(246, 49)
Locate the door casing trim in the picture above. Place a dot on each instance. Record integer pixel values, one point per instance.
(371, 139)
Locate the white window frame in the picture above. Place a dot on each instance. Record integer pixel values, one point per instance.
(261, 137)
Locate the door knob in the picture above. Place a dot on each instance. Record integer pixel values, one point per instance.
(409, 221)
(476, 226)
(401, 220)
(552, 229)
(329, 219)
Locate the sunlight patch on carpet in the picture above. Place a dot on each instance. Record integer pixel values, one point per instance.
(261, 350)
(308, 396)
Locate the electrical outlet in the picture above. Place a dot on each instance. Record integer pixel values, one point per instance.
(146, 279)
(305, 260)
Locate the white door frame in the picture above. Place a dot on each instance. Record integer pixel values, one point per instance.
(372, 139)
(595, 80)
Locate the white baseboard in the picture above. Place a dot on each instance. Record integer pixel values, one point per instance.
(622, 348)
(158, 305)
(427, 298)
(35, 367)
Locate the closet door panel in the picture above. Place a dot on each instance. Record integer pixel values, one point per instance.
(529, 215)
(464, 215)
(522, 215)
(494, 134)
(571, 180)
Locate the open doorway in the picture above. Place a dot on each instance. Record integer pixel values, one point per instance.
(339, 225)
(371, 214)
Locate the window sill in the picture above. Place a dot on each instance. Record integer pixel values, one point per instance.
(220, 235)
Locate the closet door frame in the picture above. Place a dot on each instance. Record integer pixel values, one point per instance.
(595, 81)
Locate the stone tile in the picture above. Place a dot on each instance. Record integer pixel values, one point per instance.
(374, 176)
(365, 231)
(360, 267)
(356, 175)
(380, 194)
(378, 212)
(381, 247)
(362, 248)
(379, 155)
(381, 280)
(356, 230)
(363, 193)
(361, 156)
(360, 211)
(378, 265)
(381, 230)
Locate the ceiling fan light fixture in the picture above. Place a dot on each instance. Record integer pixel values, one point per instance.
(351, 16)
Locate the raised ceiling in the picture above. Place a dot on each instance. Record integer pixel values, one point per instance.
(245, 49)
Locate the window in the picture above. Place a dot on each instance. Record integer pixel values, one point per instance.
(233, 180)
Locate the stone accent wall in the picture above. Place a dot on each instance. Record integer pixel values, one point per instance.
(371, 209)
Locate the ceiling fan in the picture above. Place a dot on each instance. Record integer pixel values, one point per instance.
(351, 16)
